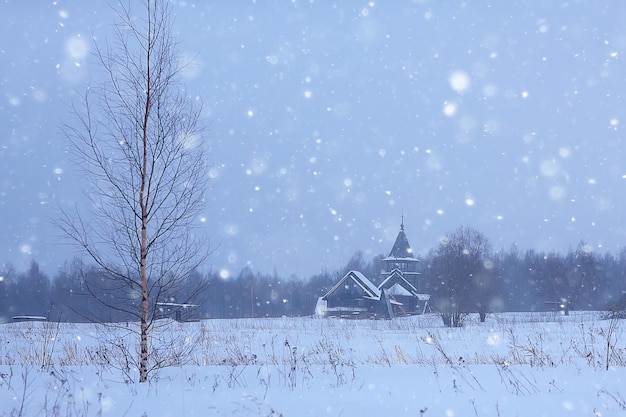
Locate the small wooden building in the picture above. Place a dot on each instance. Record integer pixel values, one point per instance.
(177, 311)
(354, 296)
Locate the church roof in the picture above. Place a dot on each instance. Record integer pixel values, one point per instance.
(398, 290)
(370, 290)
(401, 248)
(397, 278)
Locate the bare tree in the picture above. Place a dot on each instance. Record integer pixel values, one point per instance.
(136, 136)
(461, 272)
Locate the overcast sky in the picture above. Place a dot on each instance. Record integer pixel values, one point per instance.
(329, 120)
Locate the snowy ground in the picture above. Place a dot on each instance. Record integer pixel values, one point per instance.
(539, 364)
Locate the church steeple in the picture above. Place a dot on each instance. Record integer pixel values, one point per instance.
(401, 248)
(401, 258)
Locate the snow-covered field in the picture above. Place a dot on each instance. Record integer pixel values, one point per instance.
(532, 364)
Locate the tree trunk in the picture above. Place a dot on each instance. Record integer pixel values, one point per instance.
(143, 360)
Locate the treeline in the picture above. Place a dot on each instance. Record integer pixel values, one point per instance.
(578, 280)
(71, 295)
(517, 281)
(464, 275)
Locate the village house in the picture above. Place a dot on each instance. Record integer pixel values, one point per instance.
(356, 296)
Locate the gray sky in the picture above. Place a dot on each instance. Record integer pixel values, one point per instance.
(328, 121)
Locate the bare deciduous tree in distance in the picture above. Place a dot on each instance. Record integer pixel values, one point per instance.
(136, 137)
(459, 270)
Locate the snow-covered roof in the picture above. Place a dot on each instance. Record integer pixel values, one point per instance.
(371, 291)
(396, 277)
(366, 282)
(183, 305)
(398, 290)
(393, 258)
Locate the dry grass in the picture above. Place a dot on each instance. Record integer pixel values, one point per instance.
(539, 340)
(296, 352)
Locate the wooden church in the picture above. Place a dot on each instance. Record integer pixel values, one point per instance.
(355, 296)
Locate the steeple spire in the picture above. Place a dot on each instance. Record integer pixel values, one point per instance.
(401, 248)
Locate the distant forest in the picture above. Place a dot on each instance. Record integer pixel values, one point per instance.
(525, 281)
